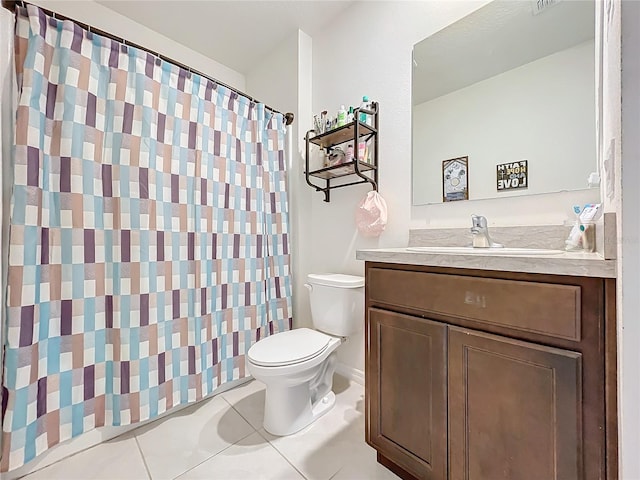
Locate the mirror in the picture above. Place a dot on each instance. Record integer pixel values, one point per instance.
(504, 103)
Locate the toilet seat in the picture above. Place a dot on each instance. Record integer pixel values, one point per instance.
(289, 348)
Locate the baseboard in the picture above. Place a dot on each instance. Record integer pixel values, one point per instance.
(350, 373)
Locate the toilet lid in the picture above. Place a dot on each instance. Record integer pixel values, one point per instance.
(286, 348)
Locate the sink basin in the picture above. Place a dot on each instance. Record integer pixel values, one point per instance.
(486, 251)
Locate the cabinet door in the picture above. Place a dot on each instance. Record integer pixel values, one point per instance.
(406, 382)
(514, 409)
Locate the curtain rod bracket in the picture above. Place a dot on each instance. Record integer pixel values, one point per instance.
(11, 5)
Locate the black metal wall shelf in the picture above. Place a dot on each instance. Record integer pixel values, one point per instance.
(351, 132)
(342, 134)
(341, 170)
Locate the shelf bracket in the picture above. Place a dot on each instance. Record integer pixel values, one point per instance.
(306, 171)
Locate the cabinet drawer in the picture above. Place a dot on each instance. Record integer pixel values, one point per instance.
(542, 308)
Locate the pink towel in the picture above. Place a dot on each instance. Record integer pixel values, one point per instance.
(371, 215)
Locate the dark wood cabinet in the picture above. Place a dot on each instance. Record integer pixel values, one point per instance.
(514, 409)
(402, 343)
(478, 375)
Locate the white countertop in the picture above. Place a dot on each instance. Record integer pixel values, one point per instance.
(568, 263)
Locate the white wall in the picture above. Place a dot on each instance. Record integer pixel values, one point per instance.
(274, 80)
(99, 16)
(608, 25)
(628, 15)
(543, 112)
(367, 51)
(283, 80)
(301, 194)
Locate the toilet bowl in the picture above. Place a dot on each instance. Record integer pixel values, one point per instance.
(297, 366)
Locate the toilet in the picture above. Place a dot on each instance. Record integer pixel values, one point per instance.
(297, 366)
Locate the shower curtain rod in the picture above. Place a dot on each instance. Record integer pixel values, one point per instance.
(11, 5)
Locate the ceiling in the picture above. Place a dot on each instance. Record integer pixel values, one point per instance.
(498, 37)
(235, 33)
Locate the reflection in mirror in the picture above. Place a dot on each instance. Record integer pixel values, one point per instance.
(514, 92)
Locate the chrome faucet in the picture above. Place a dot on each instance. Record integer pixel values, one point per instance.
(480, 232)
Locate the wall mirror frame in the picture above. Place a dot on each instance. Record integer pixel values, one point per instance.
(507, 84)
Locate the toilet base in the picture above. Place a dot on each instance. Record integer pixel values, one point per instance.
(289, 408)
(299, 413)
(324, 405)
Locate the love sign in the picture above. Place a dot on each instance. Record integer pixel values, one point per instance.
(512, 175)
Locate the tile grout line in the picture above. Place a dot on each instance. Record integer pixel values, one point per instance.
(144, 460)
(283, 456)
(239, 413)
(266, 439)
(215, 454)
(273, 445)
(228, 446)
(60, 460)
(335, 474)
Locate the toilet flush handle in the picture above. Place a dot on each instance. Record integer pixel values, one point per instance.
(309, 287)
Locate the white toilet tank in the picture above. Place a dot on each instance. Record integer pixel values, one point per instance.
(337, 303)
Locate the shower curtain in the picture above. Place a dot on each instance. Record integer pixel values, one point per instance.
(148, 245)
(7, 116)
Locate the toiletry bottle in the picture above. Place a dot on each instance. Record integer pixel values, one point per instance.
(583, 226)
(349, 154)
(342, 116)
(573, 241)
(362, 150)
(363, 117)
(350, 115)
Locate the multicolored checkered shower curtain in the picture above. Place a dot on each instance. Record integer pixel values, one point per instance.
(149, 245)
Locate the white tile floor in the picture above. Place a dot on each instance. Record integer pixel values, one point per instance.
(222, 438)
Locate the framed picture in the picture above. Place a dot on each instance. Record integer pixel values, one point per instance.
(455, 179)
(511, 176)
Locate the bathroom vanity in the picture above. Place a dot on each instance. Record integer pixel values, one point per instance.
(476, 371)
